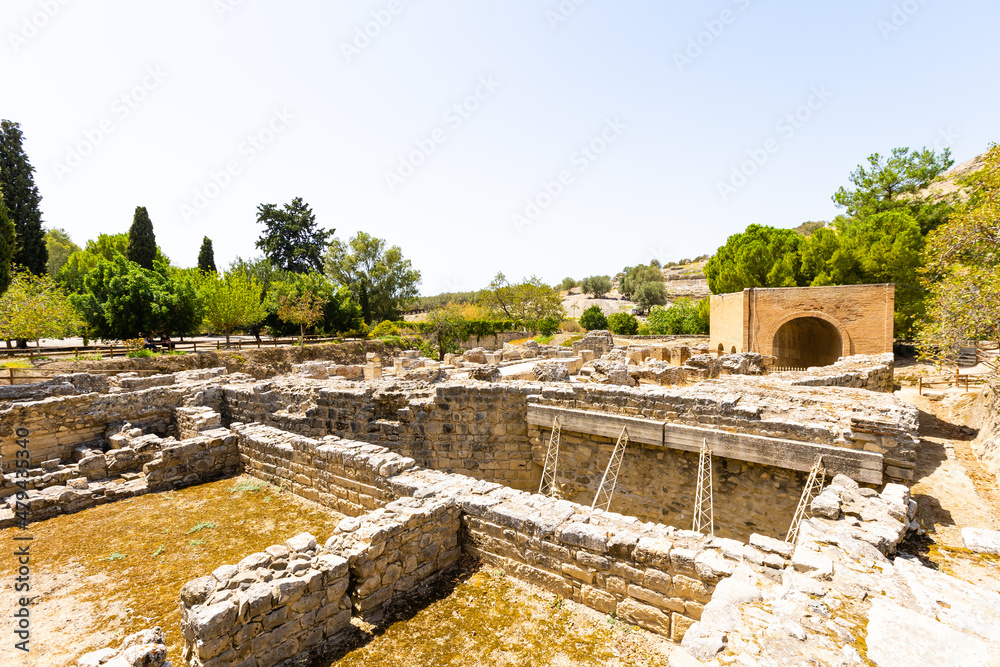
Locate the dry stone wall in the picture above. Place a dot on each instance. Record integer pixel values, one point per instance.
(658, 484)
(267, 608)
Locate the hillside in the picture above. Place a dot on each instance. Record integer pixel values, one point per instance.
(947, 184)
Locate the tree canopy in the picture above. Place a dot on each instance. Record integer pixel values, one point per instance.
(232, 302)
(35, 307)
(141, 241)
(17, 182)
(206, 256)
(529, 302)
(291, 239)
(60, 246)
(381, 280)
(8, 245)
(963, 268)
(759, 257)
(893, 182)
(596, 286)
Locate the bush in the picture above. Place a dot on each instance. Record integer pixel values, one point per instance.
(683, 317)
(571, 326)
(547, 326)
(140, 354)
(623, 324)
(383, 329)
(593, 318)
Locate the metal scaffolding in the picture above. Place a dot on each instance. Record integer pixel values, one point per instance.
(547, 487)
(814, 485)
(610, 480)
(704, 510)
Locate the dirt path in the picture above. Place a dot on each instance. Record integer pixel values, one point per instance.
(953, 491)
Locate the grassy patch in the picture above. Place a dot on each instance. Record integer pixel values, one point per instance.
(16, 363)
(93, 545)
(201, 525)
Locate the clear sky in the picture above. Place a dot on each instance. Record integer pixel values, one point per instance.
(525, 136)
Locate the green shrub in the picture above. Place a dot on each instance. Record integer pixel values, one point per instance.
(683, 317)
(548, 325)
(383, 329)
(140, 354)
(593, 319)
(623, 324)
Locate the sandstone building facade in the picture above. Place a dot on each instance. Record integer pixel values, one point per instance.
(805, 326)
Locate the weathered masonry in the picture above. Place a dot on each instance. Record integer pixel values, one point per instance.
(805, 326)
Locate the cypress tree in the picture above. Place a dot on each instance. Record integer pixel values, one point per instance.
(141, 241)
(17, 182)
(8, 242)
(206, 257)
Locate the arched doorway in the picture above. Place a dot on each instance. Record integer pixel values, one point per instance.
(807, 341)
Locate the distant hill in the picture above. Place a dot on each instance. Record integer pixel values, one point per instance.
(947, 184)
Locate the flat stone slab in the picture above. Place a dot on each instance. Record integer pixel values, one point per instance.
(981, 541)
(899, 637)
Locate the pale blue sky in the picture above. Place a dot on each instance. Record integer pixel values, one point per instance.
(127, 103)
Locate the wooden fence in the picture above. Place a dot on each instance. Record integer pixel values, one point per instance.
(112, 351)
(956, 380)
(12, 376)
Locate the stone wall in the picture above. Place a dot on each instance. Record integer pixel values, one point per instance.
(267, 608)
(58, 424)
(658, 484)
(874, 373)
(120, 473)
(986, 417)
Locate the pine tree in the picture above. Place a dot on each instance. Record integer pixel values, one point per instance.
(141, 241)
(17, 182)
(8, 242)
(206, 257)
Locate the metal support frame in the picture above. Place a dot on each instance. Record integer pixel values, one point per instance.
(548, 485)
(814, 486)
(610, 480)
(704, 509)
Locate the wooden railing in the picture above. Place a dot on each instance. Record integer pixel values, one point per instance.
(115, 351)
(955, 380)
(11, 376)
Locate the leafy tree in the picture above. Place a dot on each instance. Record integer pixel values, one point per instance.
(880, 248)
(104, 247)
(633, 277)
(382, 281)
(122, 300)
(567, 284)
(596, 286)
(447, 327)
(8, 245)
(893, 182)
(185, 312)
(759, 257)
(649, 294)
(963, 268)
(593, 319)
(291, 239)
(305, 310)
(623, 324)
(528, 302)
(141, 241)
(339, 313)
(35, 307)
(683, 317)
(206, 256)
(17, 183)
(60, 247)
(232, 302)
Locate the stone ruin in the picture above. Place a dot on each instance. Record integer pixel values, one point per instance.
(430, 466)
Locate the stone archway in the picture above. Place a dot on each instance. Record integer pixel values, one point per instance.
(801, 342)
